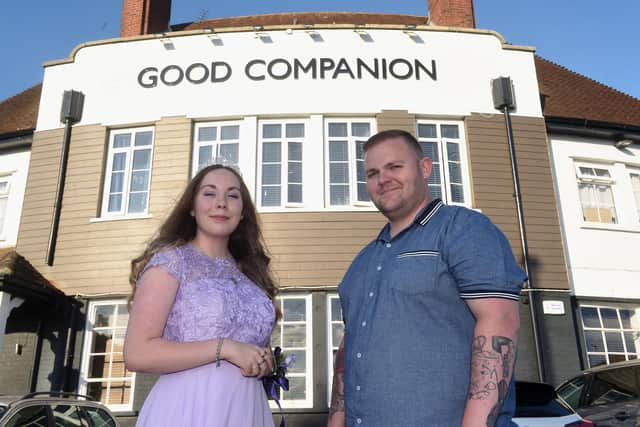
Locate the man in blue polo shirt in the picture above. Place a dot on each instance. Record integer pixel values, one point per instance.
(430, 307)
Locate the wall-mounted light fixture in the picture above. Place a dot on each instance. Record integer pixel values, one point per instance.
(622, 143)
(167, 43)
(315, 36)
(215, 38)
(260, 34)
(410, 31)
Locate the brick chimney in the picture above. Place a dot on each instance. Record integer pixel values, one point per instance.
(452, 13)
(144, 17)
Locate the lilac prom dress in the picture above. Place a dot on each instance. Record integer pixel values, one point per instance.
(214, 299)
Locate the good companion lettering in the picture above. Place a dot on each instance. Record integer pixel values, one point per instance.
(282, 69)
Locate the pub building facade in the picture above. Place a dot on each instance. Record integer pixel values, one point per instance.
(290, 99)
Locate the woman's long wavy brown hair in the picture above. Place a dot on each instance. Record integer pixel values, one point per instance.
(246, 243)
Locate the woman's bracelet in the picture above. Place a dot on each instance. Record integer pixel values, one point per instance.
(219, 347)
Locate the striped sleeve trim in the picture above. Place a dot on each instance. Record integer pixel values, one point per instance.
(490, 294)
(418, 253)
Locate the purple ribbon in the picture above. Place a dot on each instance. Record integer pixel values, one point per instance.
(277, 380)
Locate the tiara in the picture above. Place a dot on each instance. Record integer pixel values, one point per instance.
(222, 161)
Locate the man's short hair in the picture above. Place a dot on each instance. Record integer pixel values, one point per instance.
(411, 140)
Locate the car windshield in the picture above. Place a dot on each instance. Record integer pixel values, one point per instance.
(3, 409)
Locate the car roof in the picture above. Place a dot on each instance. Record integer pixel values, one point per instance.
(611, 366)
(8, 400)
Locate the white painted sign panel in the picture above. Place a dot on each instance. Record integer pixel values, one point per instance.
(237, 74)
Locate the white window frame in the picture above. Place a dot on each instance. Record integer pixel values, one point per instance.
(86, 351)
(308, 402)
(4, 195)
(352, 161)
(330, 344)
(126, 191)
(441, 145)
(610, 181)
(602, 329)
(215, 145)
(284, 162)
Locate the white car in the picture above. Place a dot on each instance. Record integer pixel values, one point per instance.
(538, 405)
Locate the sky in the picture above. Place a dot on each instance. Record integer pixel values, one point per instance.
(599, 39)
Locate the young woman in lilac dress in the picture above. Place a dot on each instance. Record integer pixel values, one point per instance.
(202, 310)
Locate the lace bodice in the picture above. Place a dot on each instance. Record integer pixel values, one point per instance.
(214, 299)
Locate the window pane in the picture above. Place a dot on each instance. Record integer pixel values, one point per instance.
(427, 131)
(119, 162)
(137, 202)
(449, 131)
(339, 194)
(117, 182)
(337, 129)
(336, 310)
(122, 140)
(295, 151)
(434, 178)
(453, 152)
(296, 389)
(594, 341)
(143, 138)
(609, 318)
(104, 316)
(294, 336)
(66, 416)
(293, 309)
(119, 393)
(602, 173)
(337, 330)
(204, 155)
(270, 196)
(626, 316)
(141, 159)
(635, 186)
(363, 195)
(230, 132)
(590, 317)
(140, 180)
(295, 172)
(99, 417)
(271, 152)
(230, 152)
(597, 360)
(207, 134)
(115, 203)
(295, 130)
(454, 173)
(271, 131)
(435, 191)
(457, 193)
(586, 171)
(339, 173)
(631, 342)
(301, 361)
(338, 151)
(97, 367)
(97, 390)
(361, 129)
(32, 416)
(4, 186)
(614, 342)
(271, 174)
(294, 193)
(430, 149)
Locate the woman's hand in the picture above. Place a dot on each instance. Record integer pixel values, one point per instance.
(253, 360)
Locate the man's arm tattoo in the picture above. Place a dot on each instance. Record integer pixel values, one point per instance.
(491, 370)
(337, 394)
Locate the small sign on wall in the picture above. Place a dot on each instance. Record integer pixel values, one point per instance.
(553, 307)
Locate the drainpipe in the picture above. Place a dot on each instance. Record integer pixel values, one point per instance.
(504, 99)
(70, 113)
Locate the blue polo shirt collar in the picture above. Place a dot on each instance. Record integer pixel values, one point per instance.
(422, 218)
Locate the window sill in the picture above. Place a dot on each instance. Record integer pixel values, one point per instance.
(121, 218)
(610, 227)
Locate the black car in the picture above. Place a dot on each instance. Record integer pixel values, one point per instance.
(538, 405)
(607, 395)
(45, 409)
